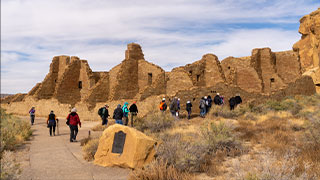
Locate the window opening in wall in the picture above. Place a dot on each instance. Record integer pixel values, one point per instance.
(198, 78)
(272, 80)
(80, 85)
(194, 99)
(149, 78)
(55, 80)
(229, 67)
(318, 84)
(190, 72)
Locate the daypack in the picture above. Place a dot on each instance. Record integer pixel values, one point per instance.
(100, 112)
(161, 105)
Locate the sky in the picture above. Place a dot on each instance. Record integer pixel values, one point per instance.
(171, 32)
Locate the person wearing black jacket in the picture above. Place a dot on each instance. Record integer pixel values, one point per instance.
(118, 114)
(217, 99)
(232, 103)
(188, 108)
(133, 111)
(104, 114)
(238, 99)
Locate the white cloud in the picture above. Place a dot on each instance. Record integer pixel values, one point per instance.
(171, 33)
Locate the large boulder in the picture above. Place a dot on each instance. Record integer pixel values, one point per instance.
(125, 147)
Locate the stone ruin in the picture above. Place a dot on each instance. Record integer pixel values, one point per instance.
(264, 74)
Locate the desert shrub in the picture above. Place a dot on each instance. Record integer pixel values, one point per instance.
(14, 131)
(225, 112)
(159, 170)
(10, 169)
(155, 122)
(269, 167)
(99, 127)
(182, 153)
(90, 149)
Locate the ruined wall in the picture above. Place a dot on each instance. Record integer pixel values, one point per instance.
(264, 62)
(213, 71)
(178, 79)
(288, 66)
(99, 92)
(196, 71)
(34, 89)
(239, 72)
(68, 90)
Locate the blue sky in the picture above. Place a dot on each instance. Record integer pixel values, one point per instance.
(171, 32)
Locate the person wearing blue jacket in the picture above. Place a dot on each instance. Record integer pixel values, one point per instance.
(125, 113)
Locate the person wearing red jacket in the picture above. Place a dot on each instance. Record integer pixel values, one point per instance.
(74, 120)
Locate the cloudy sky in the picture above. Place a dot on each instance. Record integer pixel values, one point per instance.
(171, 32)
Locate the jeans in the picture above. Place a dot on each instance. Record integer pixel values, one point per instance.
(202, 112)
(52, 127)
(119, 121)
(73, 132)
(32, 119)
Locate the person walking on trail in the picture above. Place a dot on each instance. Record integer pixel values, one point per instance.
(163, 105)
(51, 123)
(189, 108)
(125, 113)
(133, 111)
(73, 120)
(232, 103)
(174, 107)
(217, 99)
(118, 114)
(104, 114)
(202, 106)
(32, 113)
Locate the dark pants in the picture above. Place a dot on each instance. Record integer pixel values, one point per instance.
(73, 132)
(104, 120)
(189, 113)
(132, 115)
(32, 119)
(119, 121)
(126, 119)
(52, 127)
(231, 107)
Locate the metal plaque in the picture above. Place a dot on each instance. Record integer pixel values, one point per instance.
(118, 142)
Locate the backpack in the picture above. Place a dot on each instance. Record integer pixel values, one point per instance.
(100, 111)
(161, 106)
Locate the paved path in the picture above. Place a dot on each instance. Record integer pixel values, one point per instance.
(56, 158)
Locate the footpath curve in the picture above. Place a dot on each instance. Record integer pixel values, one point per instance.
(57, 159)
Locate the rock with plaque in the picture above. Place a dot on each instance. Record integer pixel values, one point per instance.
(125, 147)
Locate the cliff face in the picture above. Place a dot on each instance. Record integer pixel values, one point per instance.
(308, 47)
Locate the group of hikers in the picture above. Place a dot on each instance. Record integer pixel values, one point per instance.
(205, 104)
(121, 114)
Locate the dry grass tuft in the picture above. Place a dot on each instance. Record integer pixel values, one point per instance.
(10, 169)
(99, 127)
(90, 149)
(160, 170)
(155, 122)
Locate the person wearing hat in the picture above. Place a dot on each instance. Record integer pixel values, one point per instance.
(51, 123)
(188, 108)
(104, 114)
(163, 105)
(74, 120)
(125, 113)
(32, 115)
(133, 111)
